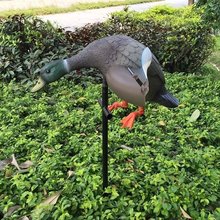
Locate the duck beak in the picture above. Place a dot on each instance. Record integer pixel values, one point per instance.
(40, 84)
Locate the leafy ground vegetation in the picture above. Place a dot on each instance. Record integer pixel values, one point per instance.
(50, 142)
(172, 163)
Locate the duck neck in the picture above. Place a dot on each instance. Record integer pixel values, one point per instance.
(78, 61)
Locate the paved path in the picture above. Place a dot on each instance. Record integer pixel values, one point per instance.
(72, 20)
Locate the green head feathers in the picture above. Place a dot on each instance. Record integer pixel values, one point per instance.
(50, 73)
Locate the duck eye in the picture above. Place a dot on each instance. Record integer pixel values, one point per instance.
(47, 71)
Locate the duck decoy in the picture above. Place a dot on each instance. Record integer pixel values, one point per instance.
(129, 67)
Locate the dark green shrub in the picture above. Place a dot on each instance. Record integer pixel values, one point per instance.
(87, 34)
(178, 37)
(211, 14)
(26, 43)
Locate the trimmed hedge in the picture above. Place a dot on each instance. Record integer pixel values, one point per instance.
(178, 37)
(211, 13)
(26, 44)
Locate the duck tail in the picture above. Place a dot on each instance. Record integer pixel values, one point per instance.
(167, 99)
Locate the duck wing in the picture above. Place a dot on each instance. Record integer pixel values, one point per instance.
(125, 51)
(155, 70)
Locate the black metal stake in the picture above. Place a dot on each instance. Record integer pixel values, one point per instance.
(106, 115)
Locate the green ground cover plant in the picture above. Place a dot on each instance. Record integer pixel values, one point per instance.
(26, 44)
(72, 8)
(173, 162)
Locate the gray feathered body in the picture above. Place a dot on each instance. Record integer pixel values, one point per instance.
(112, 56)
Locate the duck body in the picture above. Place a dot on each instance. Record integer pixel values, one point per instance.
(114, 56)
(131, 70)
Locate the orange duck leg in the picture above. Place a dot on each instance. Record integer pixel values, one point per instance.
(128, 121)
(117, 105)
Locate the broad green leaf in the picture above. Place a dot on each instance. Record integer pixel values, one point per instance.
(114, 193)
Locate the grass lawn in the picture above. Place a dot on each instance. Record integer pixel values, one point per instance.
(72, 8)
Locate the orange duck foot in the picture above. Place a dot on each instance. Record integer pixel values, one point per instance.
(116, 105)
(128, 121)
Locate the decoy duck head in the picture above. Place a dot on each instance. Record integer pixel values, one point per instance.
(50, 73)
